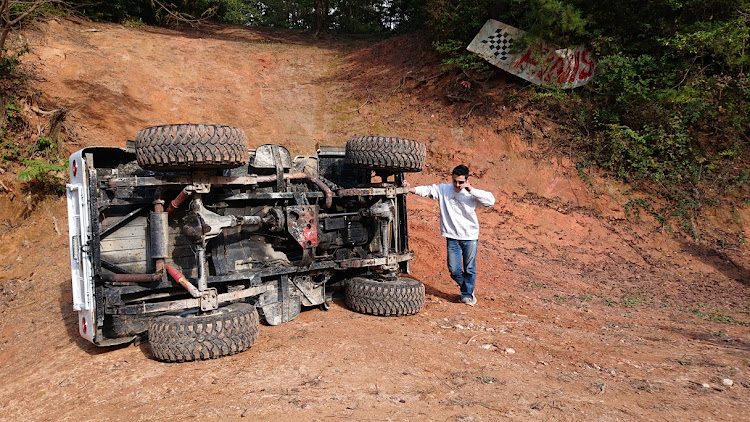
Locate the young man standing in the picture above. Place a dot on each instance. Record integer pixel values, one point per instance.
(459, 225)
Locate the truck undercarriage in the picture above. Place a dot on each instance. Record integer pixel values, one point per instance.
(187, 235)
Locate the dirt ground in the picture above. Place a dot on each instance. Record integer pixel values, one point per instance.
(583, 314)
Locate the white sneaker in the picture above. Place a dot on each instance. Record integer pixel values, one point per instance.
(471, 301)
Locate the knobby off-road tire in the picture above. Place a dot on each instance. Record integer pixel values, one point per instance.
(229, 330)
(405, 296)
(386, 153)
(197, 146)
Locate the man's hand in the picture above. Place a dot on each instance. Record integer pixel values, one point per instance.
(407, 185)
(466, 185)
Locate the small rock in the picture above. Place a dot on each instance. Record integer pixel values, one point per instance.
(705, 385)
(486, 346)
(459, 327)
(727, 382)
(510, 351)
(245, 413)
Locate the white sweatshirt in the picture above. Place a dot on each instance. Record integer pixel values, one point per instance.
(457, 217)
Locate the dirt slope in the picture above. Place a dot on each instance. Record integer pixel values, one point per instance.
(582, 314)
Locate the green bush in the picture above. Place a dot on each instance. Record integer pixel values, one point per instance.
(43, 176)
(457, 57)
(452, 25)
(668, 107)
(10, 59)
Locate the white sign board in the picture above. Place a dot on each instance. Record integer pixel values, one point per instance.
(568, 67)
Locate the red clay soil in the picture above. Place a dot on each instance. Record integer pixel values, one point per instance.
(583, 314)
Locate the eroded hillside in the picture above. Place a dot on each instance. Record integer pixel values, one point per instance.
(583, 314)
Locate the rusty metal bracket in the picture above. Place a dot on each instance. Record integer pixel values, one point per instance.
(297, 280)
(201, 182)
(302, 224)
(209, 299)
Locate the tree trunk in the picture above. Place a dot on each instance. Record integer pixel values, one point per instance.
(3, 37)
(4, 24)
(321, 12)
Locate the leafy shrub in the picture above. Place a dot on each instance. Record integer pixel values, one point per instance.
(10, 59)
(668, 107)
(43, 176)
(457, 58)
(453, 25)
(133, 23)
(45, 147)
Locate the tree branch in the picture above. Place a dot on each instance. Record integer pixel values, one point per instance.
(34, 6)
(7, 22)
(182, 17)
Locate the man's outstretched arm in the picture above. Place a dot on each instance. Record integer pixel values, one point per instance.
(430, 191)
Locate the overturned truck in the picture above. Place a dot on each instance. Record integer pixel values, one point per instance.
(186, 236)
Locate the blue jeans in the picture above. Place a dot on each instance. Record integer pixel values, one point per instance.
(464, 275)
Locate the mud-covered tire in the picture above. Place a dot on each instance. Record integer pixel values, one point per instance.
(228, 330)
(404, 296)
(386, 153)
(190, 146)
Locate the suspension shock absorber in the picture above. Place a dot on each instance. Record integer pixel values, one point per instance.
(159, 232)
(383, 213)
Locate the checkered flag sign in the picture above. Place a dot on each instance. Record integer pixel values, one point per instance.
(494, 42)
(568, 67)
(499, 44)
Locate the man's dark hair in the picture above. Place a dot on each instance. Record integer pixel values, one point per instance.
(461, 170)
